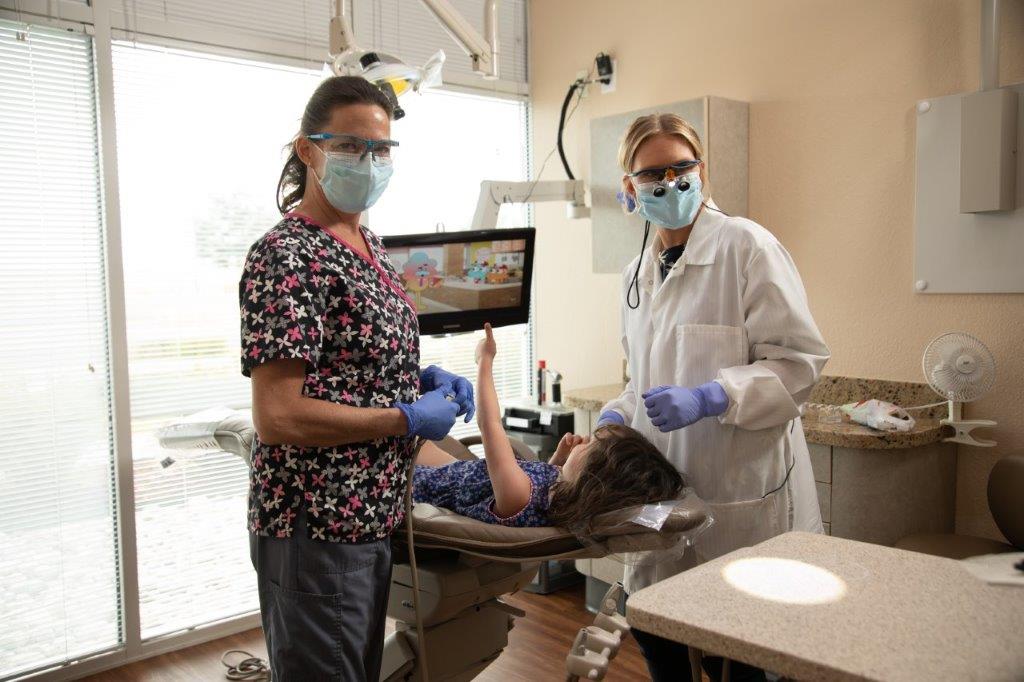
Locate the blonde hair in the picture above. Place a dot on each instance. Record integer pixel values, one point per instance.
(648, 126)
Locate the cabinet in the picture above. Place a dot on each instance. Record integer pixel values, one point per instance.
(881, 496)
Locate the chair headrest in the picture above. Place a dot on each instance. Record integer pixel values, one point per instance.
(213, 429)
(1005, 492)
(608, 533)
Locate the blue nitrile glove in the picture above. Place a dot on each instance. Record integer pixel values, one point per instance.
(673, 407)
(610, 417)
(433, 378)
(432, 416)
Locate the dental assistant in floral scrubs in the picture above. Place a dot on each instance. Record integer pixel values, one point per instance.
(331, 342)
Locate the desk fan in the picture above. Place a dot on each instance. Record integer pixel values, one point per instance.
(961, 369)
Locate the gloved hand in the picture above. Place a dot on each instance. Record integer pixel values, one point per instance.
(432, 416)
(673, 407)
(433, 378)
(610, 417)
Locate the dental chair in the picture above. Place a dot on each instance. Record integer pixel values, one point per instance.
(1005, 495)
(465, 565)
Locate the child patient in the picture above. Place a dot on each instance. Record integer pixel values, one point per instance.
(616, 468)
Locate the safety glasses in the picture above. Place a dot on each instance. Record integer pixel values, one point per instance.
(668, 173)
(355, 147)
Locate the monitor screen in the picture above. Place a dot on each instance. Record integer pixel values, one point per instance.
(460, 280)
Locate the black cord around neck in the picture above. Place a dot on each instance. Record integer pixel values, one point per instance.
(715, 209)
(636, 275)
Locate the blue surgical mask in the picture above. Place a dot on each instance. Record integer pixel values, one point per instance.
(672, 204)
(352, 184)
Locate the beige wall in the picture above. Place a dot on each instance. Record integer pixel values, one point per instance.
(832, 87)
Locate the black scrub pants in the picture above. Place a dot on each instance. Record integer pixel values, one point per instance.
(670, 661)
(323, 605)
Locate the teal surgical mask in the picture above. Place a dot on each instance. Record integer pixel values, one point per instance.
(353, 183)
(671, 203)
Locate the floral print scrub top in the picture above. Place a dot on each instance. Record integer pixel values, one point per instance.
(306, 294)
(465, 488)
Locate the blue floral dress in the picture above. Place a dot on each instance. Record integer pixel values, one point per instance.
(465, 488)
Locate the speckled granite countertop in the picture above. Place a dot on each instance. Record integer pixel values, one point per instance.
(814, 607)
(591, 399)
(820, 422)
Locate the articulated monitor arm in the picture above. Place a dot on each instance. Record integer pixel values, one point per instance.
(494, 193)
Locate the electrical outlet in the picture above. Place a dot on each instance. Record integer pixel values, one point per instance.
(610, 85)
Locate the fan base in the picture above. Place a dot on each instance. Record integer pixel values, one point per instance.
(963, 428)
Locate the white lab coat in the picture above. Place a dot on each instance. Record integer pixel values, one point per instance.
(732, 309)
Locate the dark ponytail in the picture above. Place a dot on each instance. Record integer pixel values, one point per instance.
(333, 92)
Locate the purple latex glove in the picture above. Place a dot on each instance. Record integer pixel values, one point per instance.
(433, 378)
(675, 407)
(432, 416)
(610, 417)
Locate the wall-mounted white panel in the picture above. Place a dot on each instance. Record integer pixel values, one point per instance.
(954, 252)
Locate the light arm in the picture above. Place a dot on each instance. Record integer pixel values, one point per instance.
(494, 193)
(483, 51)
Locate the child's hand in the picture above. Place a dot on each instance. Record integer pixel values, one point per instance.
(565, 446)
(486, 348)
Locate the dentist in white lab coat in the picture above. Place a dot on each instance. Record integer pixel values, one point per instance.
(722, 352)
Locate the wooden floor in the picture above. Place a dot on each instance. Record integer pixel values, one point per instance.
(536, 652)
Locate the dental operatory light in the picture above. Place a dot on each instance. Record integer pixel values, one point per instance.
(392, 75)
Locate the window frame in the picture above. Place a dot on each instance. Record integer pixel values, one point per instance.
(105, 22)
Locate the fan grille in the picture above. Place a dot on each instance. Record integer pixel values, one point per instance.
(959, 367)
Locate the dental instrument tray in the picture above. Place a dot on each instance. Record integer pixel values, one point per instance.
(457, 281)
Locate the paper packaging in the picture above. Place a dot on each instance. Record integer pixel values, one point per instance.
(879, 415)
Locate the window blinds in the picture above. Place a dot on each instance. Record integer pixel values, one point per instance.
(291, 28)
(299, 29)
(199, 142)
(449, 142)
(511, 364)
(59, 588)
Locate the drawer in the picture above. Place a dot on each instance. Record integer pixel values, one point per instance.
(821, 462)
(825, 501)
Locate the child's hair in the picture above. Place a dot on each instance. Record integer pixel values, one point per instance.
(623, 469)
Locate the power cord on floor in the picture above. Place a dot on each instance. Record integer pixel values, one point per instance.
(249, 668)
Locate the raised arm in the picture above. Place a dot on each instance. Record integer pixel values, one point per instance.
(512, 487)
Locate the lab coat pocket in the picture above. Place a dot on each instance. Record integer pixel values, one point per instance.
(744, 523)
(703, 349)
